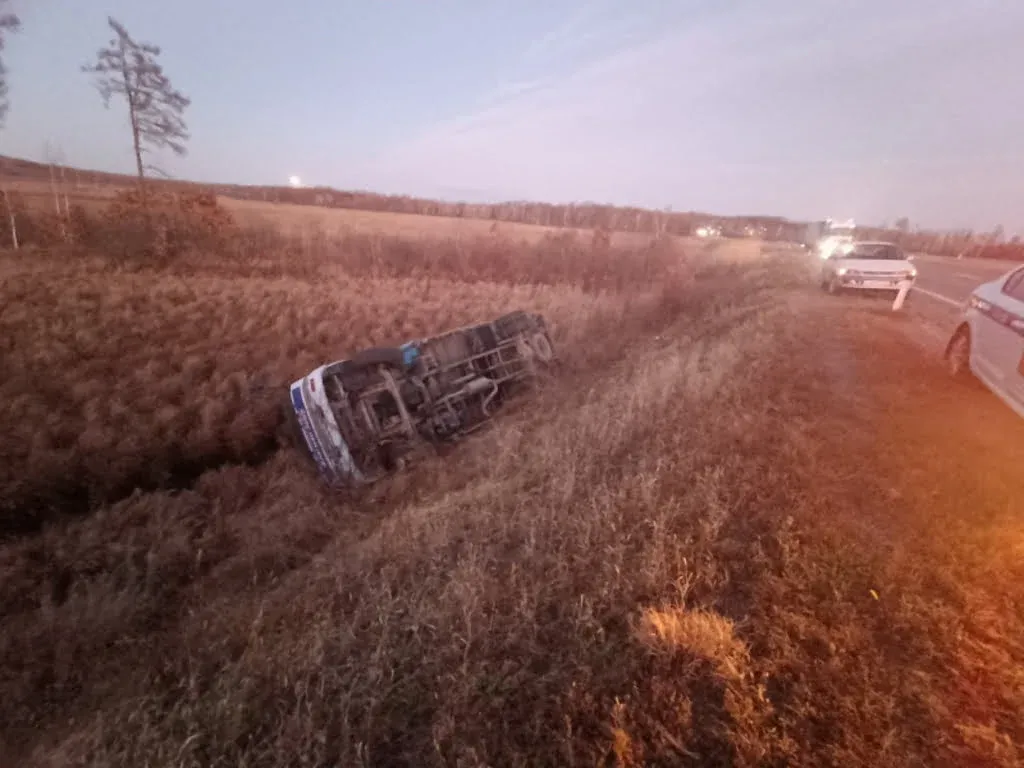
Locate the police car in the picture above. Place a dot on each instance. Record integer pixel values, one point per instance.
(989, 340)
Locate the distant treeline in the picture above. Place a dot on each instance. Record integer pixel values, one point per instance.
(964, 243)
(586, 215)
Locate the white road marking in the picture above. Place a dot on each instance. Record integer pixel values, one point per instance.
(938, 296)
(967, 276)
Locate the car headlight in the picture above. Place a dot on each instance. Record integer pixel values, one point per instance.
(842, 270)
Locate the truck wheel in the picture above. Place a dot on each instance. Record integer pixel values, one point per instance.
(541, 346)
(390, 356)
(513, 323)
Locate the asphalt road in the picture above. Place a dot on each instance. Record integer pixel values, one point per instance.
(950, 281)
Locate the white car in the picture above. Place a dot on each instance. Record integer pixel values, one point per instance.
(989, 340)
(868, 266)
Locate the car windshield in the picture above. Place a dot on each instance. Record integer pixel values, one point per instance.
(882, 251)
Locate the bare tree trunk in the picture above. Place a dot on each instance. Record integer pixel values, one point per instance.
(138, 152)
(53, 189)
(14, 223)
(56, 204)
(64, 191)
(136, 143)
(133, 116)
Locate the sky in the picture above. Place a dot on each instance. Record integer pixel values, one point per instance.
(870, 109)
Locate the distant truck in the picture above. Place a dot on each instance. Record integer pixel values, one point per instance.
(812, 234)
(826, 238)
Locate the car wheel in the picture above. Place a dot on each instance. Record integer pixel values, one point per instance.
(958, 354)
(833, 285)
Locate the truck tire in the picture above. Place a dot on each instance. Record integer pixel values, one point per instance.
(393, 357)
(513, 323)
(541, 345)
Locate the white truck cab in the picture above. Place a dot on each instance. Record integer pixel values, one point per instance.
(835, 236)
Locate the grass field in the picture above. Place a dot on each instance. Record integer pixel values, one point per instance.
(733, 531)
(39, 195)
(126, 377)
(301, 220)
(297, 219)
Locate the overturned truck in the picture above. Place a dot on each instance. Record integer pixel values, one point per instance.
(362, 418)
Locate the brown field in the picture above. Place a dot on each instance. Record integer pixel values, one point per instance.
(145, 377)
(38, 195)
(303, 220)
(125, 379)
(299, 219)
(733, 531)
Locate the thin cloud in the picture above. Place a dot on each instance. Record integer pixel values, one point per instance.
(783, 109)
(589, 25)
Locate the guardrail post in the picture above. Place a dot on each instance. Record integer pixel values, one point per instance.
(902, 295)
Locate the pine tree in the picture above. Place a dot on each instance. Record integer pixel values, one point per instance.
(130, 69)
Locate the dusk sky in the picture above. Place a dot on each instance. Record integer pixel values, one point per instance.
(869, 109)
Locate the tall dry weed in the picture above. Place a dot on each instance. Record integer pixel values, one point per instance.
(684, 550)
(509, 571)
(146, 377)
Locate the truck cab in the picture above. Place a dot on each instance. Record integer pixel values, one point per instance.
(836, 236)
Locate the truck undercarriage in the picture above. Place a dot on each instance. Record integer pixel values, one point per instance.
(365, 417)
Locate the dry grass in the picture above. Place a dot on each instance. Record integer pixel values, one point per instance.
(127, 567)
(146, 378)
(671, 556)
(700, 633)
(158, 346)
(297, 219)
(38, 195)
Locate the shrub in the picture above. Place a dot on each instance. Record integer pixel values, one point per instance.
(163, 226)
